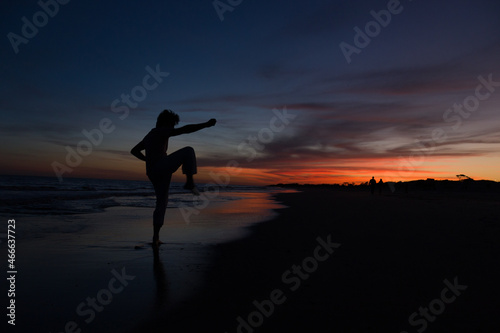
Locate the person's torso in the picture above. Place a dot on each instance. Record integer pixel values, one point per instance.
(156, 145)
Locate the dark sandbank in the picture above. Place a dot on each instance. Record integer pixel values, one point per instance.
(396, 252)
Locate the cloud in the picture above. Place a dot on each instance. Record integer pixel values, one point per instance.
(314, 145)
(449, 76)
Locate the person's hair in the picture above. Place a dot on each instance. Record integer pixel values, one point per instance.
(166, 118)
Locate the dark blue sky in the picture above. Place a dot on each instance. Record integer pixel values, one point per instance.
(353, 119)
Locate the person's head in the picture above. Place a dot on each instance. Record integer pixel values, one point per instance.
(167, 118)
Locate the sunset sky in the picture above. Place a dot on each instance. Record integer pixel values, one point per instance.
(274, 70)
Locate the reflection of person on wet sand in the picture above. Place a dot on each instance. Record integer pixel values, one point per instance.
(160, 279)
(160, 166)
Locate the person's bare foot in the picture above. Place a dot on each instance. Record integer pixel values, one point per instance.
(192, 187)
(156, 241)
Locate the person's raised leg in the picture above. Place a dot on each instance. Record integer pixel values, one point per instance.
(187, 158)
(189, 169)
(189, 182)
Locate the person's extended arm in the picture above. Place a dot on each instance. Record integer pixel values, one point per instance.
(193, 127)
(137, 151)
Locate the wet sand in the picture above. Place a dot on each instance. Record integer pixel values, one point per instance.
(424, 261)
(83, 272)
(332, 261)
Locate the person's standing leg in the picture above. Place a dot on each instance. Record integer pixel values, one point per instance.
(161, 177)
(161, 186)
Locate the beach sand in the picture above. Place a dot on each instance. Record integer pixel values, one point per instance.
(398, 255)
(98, 273)
(388, 256)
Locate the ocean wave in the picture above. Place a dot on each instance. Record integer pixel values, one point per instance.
(45, 196)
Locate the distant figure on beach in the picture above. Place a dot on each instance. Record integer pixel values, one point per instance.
(373, 184)
(160, 166)
(380, 186)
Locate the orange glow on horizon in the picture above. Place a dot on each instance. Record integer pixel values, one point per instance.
(318, 172)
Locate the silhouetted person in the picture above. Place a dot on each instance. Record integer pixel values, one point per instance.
(160, 166)
(380, 186)
(373, 184)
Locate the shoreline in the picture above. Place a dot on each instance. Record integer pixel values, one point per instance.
(324, 260)
(66, 261)
(396, 254)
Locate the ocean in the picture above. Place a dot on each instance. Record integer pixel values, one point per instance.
(27, 195)
(71, 238)
(45, 207)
